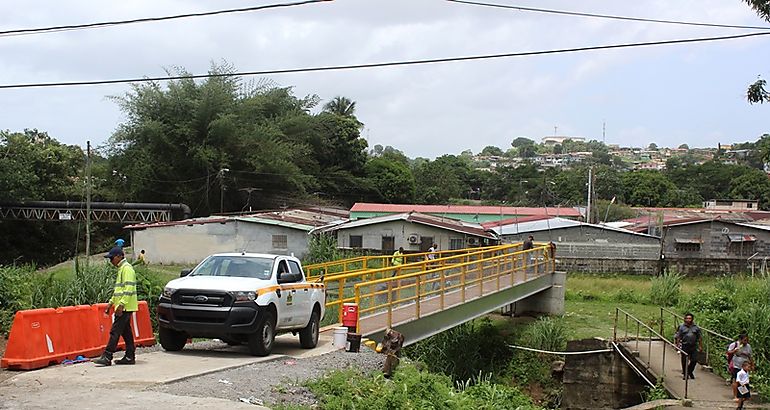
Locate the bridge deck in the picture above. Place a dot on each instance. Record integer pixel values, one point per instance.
(707, 390)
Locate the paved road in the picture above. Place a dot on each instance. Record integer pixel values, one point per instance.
(86, 386)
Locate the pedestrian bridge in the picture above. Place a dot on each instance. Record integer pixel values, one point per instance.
(422, 297)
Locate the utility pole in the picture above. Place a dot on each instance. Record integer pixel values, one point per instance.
(604, 132)
(88, 201)
(590, 188)
(249, 190)
(221, 176)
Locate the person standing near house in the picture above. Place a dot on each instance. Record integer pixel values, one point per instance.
(432, 252)
(125, 302)
(141, 259)
(688, 338)
(740, 351)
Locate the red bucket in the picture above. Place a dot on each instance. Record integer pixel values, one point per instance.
(350, 316)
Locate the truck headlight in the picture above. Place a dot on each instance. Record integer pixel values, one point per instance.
(244, 296)
(167, 292)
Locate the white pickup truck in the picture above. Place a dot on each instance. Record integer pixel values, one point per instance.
(241, 298)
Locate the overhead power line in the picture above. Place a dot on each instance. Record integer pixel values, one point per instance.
(53, 29)
(605, 16)
(376, 65)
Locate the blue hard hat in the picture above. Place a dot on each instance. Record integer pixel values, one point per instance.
(120, 242)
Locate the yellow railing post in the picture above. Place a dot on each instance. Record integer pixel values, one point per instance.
(462, 282)
(390, 303)
(358, 303)
(342, 297)
(498, 273)
(417, 295)
(442, 276)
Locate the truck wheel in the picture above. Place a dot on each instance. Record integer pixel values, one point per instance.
(308, 337)
(261, 341)
(172, 340)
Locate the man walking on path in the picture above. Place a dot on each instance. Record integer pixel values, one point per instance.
(688, 338)
(125, 301)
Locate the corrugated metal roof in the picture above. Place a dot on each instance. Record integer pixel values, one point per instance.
(443, 223)
(552, 224)
(463, 209)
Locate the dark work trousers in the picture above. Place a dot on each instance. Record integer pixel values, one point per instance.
(691, 352)
(121, 327)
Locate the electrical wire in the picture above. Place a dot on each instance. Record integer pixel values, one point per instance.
(383, 64)
(55, 29)
(606, 16)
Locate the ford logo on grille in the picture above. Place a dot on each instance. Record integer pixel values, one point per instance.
(201, 298)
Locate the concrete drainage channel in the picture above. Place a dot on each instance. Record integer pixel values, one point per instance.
(190, 377)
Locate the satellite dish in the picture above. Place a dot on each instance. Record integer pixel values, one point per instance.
(725, 230)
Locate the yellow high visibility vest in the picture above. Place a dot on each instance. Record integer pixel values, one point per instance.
(125, 288)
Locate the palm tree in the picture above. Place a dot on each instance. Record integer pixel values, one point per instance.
(341, 106)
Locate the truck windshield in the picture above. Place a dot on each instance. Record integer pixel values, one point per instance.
(240, 266)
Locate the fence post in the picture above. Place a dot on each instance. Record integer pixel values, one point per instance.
(341, 295)
(417, 296)
(442, 288)
(358, 303)
(390, 304)
(615, 328)
(661, 322)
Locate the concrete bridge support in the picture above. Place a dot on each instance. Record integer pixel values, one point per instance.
(549, 301)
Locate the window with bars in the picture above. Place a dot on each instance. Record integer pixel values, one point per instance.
(356, 241)
(280, 242)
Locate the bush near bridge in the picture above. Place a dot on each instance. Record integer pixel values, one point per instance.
(412, 388)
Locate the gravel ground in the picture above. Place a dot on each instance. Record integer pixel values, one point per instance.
(274, 382)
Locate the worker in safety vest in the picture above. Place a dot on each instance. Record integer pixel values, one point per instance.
(398, 257)
(125, 302)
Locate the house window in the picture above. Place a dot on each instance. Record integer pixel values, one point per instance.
(356, 241)
(456, 243)
(388, 243)
(280, 242)
(749, 205)
(741, 244)
(687, 247)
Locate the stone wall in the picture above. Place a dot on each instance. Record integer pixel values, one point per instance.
(598, 381)
(630, 266)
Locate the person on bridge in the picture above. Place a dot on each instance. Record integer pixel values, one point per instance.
(398, 257)
(688, 338)
(740, 353)
(528, 244)
(125, 301)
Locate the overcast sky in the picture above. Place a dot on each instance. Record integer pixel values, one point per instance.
(669, 95)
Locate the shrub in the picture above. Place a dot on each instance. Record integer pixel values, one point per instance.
(464, 351)
(546, 333)
(15, 290)
(665, 289)
(627, 296)
(413, 389)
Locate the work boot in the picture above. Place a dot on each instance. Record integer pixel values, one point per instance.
(103, 361)
(126, 360)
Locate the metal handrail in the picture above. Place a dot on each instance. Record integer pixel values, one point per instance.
(365, 261)
(649, 342)
(396, 272)
(500, 265)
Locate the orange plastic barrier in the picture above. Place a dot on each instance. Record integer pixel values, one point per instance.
(41, 337)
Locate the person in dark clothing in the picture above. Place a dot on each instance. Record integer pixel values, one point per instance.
(529, 243)
(688, 338)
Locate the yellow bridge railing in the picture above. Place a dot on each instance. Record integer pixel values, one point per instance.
(460, 266)
(451, 284)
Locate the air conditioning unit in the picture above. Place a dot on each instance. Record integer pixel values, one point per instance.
(473, 241)
(413, 239)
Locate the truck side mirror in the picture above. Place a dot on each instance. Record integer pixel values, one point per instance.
(184, 273)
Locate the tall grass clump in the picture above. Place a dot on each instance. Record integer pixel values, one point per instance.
(322, 248)
(546, 333)
(666, 288)
(464, 351)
